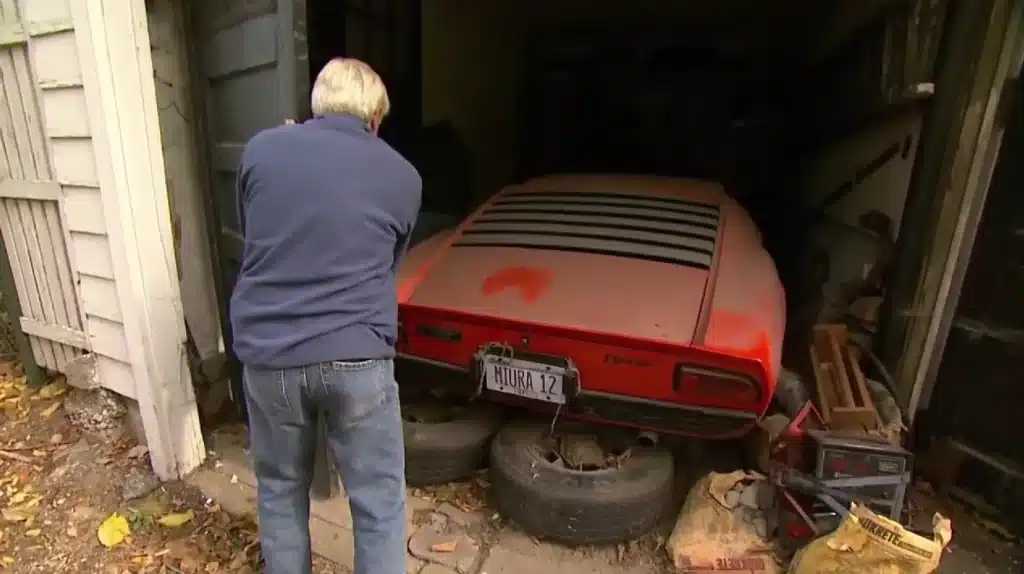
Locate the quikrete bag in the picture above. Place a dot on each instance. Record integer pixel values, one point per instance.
(868, 543)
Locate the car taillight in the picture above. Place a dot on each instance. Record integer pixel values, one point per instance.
(719, 386)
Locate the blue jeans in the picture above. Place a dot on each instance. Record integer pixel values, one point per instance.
(359, 402)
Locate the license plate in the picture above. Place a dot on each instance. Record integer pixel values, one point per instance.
(525, 379)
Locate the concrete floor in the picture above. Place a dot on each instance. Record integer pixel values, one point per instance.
(486, 545)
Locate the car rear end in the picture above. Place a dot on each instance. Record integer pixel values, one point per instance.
(588, 304)
(599, 377)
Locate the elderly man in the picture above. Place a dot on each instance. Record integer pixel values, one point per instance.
(326, 209)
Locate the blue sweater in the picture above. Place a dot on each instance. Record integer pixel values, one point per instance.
(326, 209)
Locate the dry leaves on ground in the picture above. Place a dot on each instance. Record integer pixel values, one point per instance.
(61, 507)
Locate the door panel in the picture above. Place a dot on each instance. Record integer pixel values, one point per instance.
(978, 392)
(252, 69)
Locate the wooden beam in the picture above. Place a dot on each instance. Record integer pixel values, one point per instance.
(114, 49)
(23, 189)
(12, 35)
(57, 333)
(47, 27)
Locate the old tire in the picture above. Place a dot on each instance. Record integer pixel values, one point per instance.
(549, 500)
(449, 447)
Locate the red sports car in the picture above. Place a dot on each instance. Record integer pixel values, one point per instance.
(640, 302)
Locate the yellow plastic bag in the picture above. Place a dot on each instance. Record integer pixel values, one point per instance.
(867, 543)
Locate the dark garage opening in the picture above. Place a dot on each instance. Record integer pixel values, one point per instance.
(742, 92)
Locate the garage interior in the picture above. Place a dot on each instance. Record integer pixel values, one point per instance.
(809, 112)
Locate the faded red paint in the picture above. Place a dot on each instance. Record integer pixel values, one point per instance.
(532, 282)
(587, 306)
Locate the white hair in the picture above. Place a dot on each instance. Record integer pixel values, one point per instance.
(349, 86)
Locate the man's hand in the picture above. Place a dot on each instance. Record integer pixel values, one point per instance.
(289, 121)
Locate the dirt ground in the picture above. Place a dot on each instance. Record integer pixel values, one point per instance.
(62, 490)
(87, 502)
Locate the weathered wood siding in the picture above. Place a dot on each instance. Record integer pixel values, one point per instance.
(51, 211)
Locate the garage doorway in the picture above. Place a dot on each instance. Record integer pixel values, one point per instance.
(717, 90)
(257, 59)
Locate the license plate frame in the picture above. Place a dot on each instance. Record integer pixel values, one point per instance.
(499, 355)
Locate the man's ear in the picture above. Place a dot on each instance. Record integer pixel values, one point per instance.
(375, 122)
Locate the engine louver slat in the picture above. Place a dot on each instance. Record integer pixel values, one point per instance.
(666, 230)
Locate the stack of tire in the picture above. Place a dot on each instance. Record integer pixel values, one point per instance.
(547, 500)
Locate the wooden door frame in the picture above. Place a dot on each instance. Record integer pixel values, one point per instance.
(117, 68)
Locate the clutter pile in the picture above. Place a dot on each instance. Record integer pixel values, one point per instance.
(831, 491)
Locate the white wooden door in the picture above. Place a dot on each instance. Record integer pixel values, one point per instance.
(31, 210)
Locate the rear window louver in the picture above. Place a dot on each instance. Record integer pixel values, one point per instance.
(662, 229)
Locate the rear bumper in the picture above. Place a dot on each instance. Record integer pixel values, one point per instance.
(621, 410)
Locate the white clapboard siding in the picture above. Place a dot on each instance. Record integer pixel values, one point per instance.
(51, 213)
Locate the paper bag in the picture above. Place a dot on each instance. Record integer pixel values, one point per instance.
(714, 532)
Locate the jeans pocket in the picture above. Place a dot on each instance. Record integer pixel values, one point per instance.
(355, 390)
(270, 390)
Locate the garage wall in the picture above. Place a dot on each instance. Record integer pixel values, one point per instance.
(185, 181)
(59, 79)
(872, 167)
(471, 69)
(473, 53)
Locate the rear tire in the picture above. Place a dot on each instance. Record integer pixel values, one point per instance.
(443, 449)
(605, 506)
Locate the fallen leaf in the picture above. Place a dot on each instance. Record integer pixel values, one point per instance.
(35, 532)
(138, 451)
(113, 530)
(14, 515)
(445, 547)
(18, 498)
(45, 413)
(53, 390)
(6, 561)
(176, 519)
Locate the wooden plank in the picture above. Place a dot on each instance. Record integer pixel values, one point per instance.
(12, 35)
(126, 136)
(854, 419)
(24, 189)
(48, 85)
(837, 346)
(12, 161)
(47, 27)
(825, 399)
(63, 354)
(51, 245)
(845, 400)
(8, 11)
(15, 92)
(58, 333)
(21, 264)
(41, 260)
(30, 109)
(860, 383)
(69, 290)
(33, 374)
